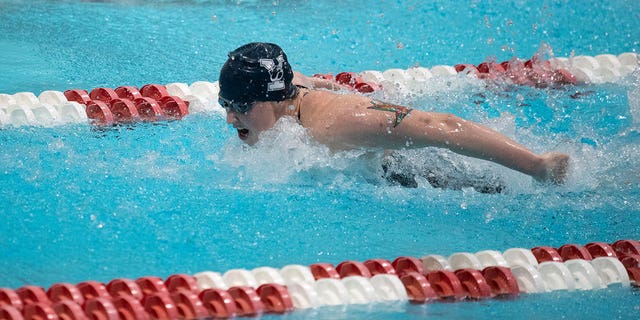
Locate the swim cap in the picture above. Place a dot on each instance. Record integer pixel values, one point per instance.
(256, 72)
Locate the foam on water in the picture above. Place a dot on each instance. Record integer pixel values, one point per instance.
(288, 154)
(634, 96)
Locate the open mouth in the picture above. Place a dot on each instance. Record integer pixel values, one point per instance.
(243, 133)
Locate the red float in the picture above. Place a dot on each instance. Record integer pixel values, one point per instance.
(366, 87)
(8, 312)
(352, 268)
(446, 285)
(99, 113)
(564, 76)
(78, 95)
(219, 303)
(148, 109)
(346, 78)
(101, 308)
(626, 247)
(124, 287)
(189, 305)
(275, 298)
(418, 287)
(528, 64)
(474, 283)
(39, 311)
(9, 297)
(159, 306)
(248, 302)
(632, 260)
(483, 67)
(574, 251)
(128, 92)
(323, 270)
(130, 308)
(152, 285)
(600, 249)
(404, 265)
(379, 266)
(178, 282)
(506, 65)
(93, 289)
(350, 79)
(103, 94)
(543, 254)
(501, 280)
(69, 310)
(466, 68)
(155, 91)
(124, 110)
(65, 291)
(32, 294)
(491, 67)
(174, 107)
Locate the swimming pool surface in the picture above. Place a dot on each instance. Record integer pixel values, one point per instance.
(79, 202)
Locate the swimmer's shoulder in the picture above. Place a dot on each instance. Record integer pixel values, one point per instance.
(328, 100)
(300, 80)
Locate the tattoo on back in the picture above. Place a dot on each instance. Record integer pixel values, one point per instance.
(400, 111)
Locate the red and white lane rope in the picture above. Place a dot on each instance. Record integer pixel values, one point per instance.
(243, 293)
(152, 102)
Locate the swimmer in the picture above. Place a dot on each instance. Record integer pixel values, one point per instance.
(257, 88)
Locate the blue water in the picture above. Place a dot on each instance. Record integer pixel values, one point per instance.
(81, 203)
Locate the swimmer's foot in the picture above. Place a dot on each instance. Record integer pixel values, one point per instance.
(554, 168)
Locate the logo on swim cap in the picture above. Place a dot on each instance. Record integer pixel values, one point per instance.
(276, 73)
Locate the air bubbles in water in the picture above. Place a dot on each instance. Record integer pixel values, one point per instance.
(634, 97)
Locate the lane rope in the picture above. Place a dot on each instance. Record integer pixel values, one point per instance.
(155, 102)
(462, 276)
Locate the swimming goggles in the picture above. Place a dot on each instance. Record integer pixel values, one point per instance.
(235, 106)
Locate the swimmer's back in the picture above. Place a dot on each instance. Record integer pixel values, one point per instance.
(333, 119)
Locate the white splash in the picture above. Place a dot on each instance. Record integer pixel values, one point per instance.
(282, 152)
(634, 96)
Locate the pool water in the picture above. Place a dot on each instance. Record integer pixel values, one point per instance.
(86, 203)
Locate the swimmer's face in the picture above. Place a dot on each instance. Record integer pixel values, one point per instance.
(250, 124)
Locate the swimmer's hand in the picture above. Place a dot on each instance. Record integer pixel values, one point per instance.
(553, 168)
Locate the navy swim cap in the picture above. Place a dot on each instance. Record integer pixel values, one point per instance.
(256, 72)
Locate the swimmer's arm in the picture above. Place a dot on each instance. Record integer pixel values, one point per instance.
(317, 83)
(375, 128)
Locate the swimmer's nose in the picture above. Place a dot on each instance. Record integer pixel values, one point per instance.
(231, 117)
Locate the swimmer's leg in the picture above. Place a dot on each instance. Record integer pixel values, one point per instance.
(394, 174)
(399, 170)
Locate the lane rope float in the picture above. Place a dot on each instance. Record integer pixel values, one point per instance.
(462, 276)
(156, 102)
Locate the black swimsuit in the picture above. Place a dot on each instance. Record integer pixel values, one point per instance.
(300, 108)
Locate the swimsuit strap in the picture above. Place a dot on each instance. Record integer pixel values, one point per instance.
(299, 106)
